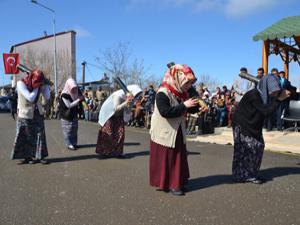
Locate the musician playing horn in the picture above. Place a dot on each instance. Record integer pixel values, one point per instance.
(114, 113)
(169, 169)
(248, 121)
(30, 143)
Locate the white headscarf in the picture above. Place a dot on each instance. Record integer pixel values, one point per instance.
(69, 85)
(108, 110)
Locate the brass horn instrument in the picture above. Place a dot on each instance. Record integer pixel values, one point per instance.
(25, 69)
(249, 77)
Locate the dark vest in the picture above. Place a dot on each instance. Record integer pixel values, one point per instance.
(67, 113)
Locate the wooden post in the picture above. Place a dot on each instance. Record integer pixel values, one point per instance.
(286, 64)
(265, 55)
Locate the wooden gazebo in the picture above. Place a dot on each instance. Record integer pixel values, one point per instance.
(282, 38)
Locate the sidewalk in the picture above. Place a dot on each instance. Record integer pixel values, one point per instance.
(286, 142)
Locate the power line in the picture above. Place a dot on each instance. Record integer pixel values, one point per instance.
(90, 72)
(93, 65)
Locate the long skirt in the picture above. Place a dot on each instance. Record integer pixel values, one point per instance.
(30, 141)
(247, 158)
(70, 130)
(169, 166)
(111, 137)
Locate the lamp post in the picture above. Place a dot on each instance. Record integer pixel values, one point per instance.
(54, 36)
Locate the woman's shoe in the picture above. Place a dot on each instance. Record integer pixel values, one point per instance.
(44, 161)
(24, 161)
(254, 180)
(121, 156)
(32, 161)
(164, 190)
(71, 147)
(177, 192)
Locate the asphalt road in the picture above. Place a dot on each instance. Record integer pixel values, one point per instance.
(78, 188)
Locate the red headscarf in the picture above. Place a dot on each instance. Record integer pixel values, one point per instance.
(177, 76)
(34, 80)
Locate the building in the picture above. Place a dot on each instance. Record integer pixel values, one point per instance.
(39, 53)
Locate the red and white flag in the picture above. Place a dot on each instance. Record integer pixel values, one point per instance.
(11, 60)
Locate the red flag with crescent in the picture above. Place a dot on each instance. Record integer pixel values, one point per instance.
(11, 60)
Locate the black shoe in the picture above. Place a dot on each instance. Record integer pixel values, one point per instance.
(164, 190)
(23, 161)
(121, 156)
(177, 192)
(103, 157)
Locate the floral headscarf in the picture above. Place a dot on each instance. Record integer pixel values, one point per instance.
(34, 80)
(69, 85)
(176, 77)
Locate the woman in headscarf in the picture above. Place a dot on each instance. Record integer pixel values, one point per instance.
(248, 120)
(68, 109)
(30, 142)
(169, 169)
(114, 113)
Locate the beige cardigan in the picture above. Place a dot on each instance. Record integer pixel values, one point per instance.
(163, 131)
(26, 108)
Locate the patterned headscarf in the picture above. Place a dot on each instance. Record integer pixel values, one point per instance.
(34, 80)
(69, 85)
(266, 86)
(176, 77)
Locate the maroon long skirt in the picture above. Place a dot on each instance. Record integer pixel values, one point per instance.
(169, 167)
(111, 136)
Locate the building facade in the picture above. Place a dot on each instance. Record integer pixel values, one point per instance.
(39, 53)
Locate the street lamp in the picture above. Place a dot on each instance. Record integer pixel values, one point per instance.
(54, 36)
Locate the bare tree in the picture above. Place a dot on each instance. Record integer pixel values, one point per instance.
(210, 82)
(114, 60)
(138, 73)
(153, 80)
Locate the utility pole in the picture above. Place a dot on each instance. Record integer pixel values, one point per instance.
(83, 71)
(54, 36)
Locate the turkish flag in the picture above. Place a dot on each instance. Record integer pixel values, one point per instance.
(11, 60)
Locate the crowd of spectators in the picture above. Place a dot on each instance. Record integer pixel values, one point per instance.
(217, 106)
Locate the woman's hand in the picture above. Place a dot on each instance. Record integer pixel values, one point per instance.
(81, 97)
(191, 102)
(284, 94)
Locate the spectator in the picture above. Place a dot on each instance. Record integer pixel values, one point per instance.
(241, 86)
(260, 72)
(101, 95)
(284, 84)
(270, 119)
(13, 99)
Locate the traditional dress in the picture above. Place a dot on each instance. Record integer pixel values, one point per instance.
(30, 142)
(113, 114)
(68, 108)
(248, 120)
(168, 155)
